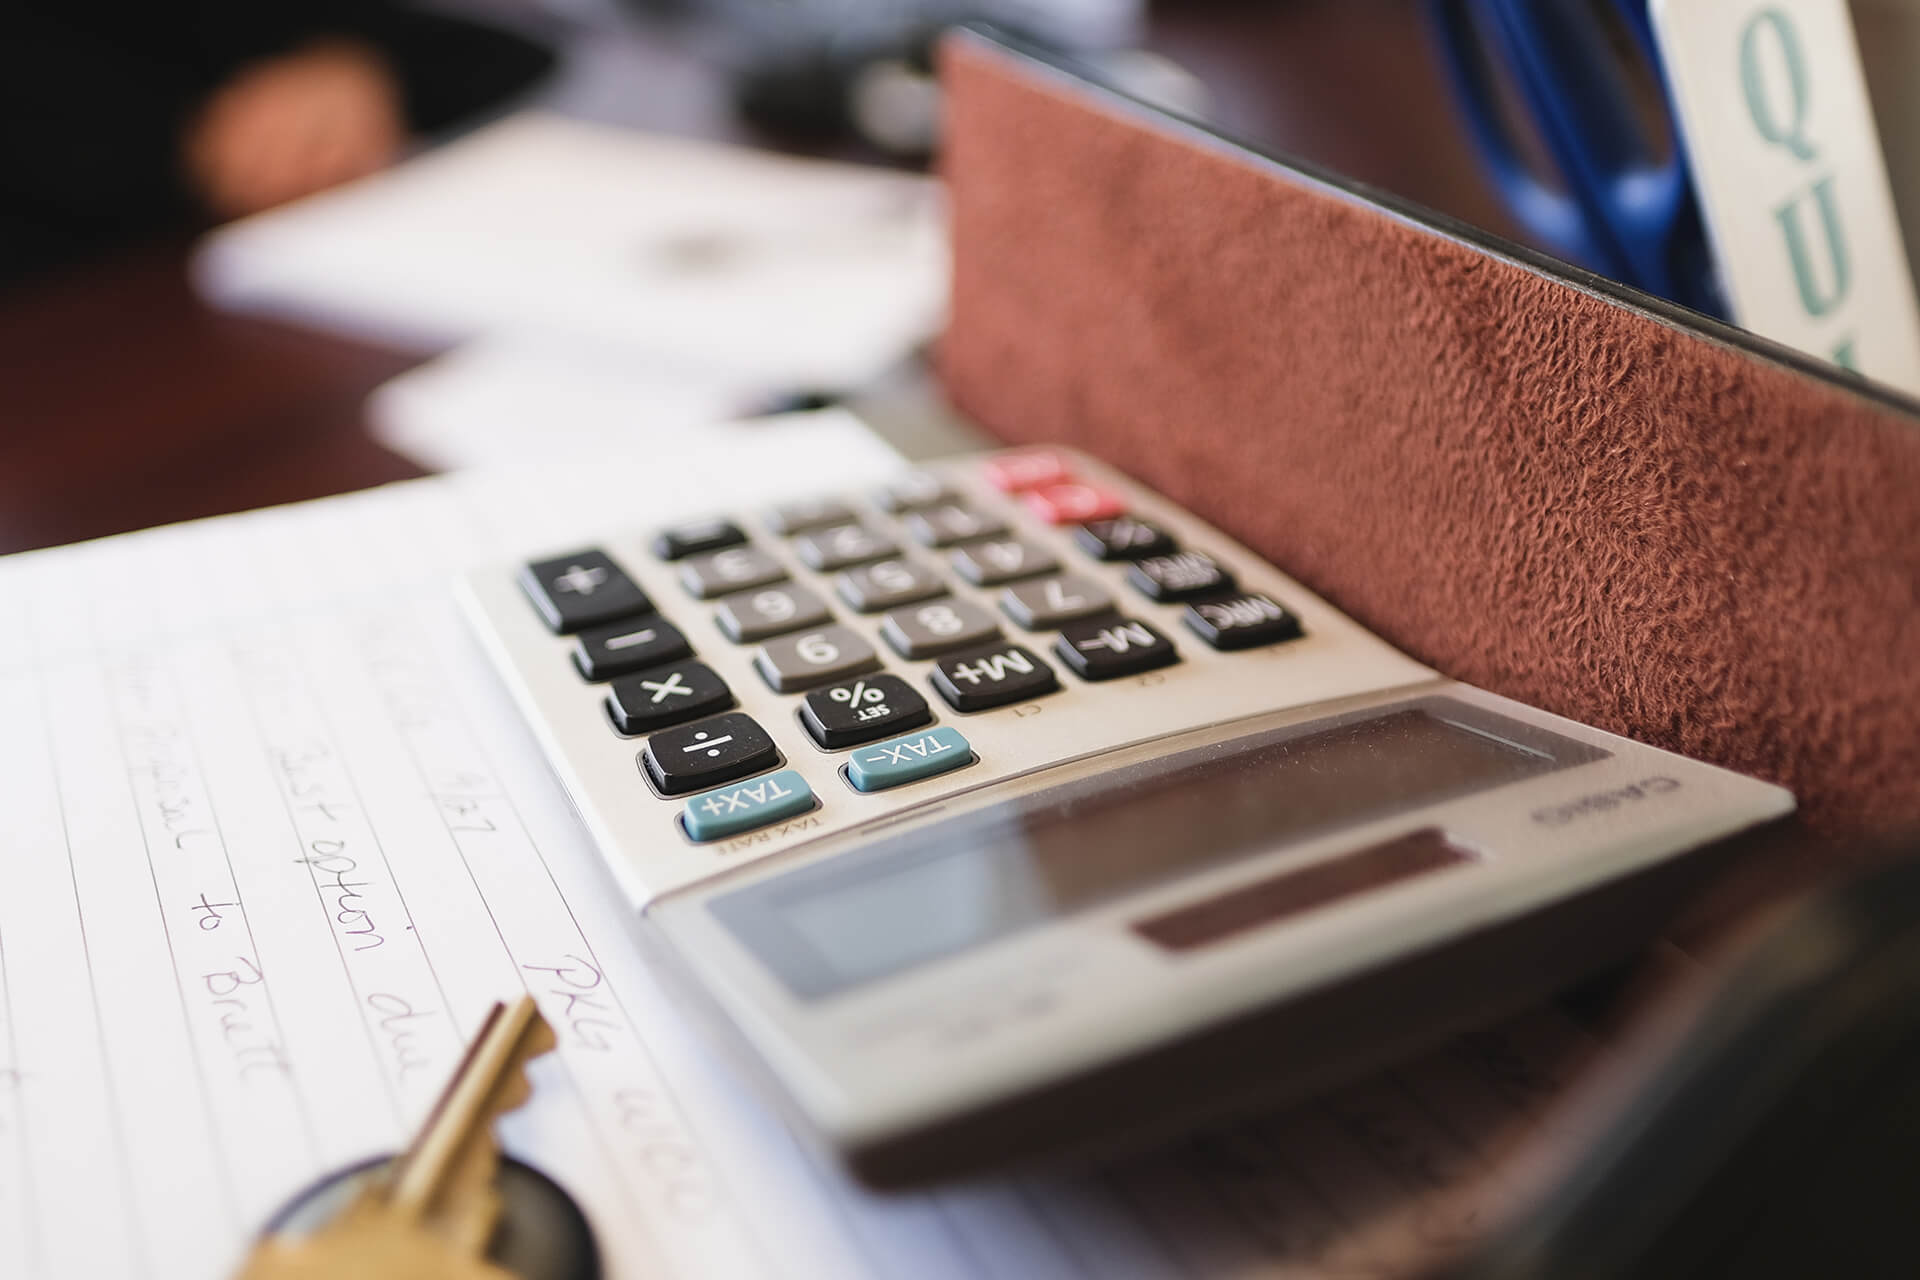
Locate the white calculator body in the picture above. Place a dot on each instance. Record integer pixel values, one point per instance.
(1011, 810)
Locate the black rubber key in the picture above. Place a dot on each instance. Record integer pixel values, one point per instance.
(1181, 575)
(686, 540)
(1241, 621)
(581, 590)
(601, 653)
(860, 710)
(992, 676)
(708, 753)
(1123, 538)
(1105, 648)
(666, 696)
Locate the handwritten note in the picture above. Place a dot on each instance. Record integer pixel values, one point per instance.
(274, 841)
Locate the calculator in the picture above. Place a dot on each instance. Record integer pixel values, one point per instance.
(1011, 812)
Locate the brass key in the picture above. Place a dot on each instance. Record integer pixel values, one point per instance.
(431, 1213)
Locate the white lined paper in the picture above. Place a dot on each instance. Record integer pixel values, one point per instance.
(275, 840)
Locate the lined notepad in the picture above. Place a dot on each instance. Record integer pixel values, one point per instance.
(275, 840)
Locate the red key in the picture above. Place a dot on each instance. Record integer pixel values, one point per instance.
(1027, 469)
(1074, 503)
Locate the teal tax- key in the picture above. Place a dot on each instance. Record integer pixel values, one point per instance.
(908, 759)
(746, 805)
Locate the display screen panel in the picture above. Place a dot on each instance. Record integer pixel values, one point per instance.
(941, 890)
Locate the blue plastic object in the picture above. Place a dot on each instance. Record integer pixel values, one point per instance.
(908, 759)
(1627, 209)
(727, 811)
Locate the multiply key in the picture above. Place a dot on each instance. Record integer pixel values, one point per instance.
(434, 1210)
(664, 696)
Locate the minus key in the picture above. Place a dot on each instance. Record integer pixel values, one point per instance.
(622, 648)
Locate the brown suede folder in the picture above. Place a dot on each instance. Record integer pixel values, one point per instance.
(1534, 480)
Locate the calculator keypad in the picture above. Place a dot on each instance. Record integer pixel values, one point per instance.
(735, 569)
(802, 661)
(992, 676)
(908, 759)
(1105, 648)
(731, 810)
(912, 491)
(948, 523)
(811, 513)
(1050, 602)
(1122, 538)
(1073, 503)
(666, 696)
(887, 584)
(700, 536)
(1021, 469)
(748, 616)
(576, 591)
(1241, 621)
(708, 753)
(987, 564)
(728, 764)
(860, 710)
(1181, 575)
(601, 653)
(939, 626)
(825, 550)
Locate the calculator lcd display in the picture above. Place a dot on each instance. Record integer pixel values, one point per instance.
(908, 899)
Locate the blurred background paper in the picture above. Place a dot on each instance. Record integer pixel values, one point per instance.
(711, 261)
(501, 401)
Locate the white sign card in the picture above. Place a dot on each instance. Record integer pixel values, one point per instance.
(1792, 184)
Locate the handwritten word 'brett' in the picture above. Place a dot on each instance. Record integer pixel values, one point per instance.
(252, 1048)
(331, 867)
(588, 1011)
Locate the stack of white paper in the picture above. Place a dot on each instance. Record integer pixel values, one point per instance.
(686, 257)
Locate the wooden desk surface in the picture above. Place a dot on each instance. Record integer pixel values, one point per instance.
(131, 403)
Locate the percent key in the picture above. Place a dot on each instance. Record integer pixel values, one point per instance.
(856, 711)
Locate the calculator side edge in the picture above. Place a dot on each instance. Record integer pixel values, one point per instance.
(1322, 1036)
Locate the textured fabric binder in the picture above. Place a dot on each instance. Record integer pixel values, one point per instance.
(1547, 487)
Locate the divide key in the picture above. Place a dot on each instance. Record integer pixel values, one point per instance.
(707, 753)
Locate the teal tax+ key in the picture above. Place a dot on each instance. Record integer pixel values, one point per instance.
(731, 810)
(908, 759)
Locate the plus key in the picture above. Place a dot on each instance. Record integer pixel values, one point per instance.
(581, 590)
